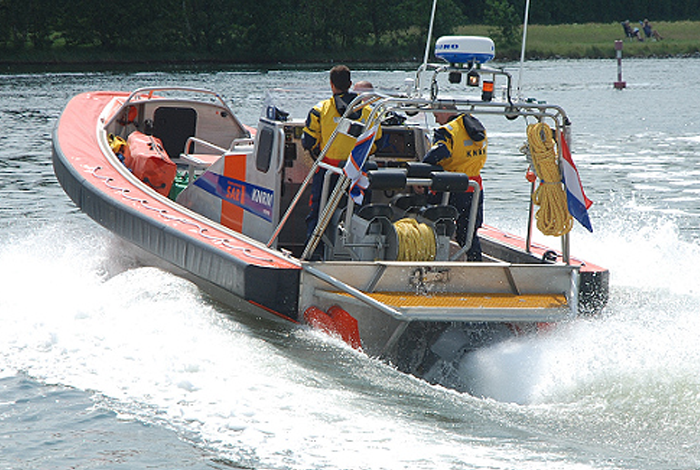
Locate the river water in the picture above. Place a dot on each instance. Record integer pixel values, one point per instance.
(104, 364)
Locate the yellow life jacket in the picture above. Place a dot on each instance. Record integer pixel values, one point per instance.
(344, 142)
(466, 155)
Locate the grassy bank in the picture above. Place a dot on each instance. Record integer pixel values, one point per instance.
(595, 40)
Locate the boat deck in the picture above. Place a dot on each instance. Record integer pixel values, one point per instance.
(467, 306)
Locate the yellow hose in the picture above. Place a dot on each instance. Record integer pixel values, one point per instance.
(553, 216)
(416, 241)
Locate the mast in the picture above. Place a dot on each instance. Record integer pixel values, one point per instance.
(430, 34)
(522, 50)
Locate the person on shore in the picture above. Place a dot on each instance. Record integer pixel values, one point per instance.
(631, 33)
(649, 31)
(460, 145)
(320, 124)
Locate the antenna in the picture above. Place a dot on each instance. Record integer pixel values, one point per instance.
(522, 51)
(430, 34)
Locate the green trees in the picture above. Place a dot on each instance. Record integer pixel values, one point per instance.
(257, 31)
(26, 23)
(504, 20)
(288, 30)
(602, 11)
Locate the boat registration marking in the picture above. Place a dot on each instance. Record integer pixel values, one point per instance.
(252, 198)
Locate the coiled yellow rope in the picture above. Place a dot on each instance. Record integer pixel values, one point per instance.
(416, 240)
(553, 216)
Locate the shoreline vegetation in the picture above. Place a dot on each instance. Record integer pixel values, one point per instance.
(596, 41)
(570, 41)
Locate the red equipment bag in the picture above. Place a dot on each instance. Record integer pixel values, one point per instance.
(150, 162)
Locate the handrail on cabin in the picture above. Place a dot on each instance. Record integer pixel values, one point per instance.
(146, 93)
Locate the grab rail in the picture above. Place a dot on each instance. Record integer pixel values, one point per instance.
(149, 91)
(471, 225)
(196, 140)
(338, 284)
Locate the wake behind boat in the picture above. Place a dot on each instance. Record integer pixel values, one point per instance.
(174, 172)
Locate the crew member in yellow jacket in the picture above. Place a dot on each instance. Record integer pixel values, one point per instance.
(460, 145)
(320, 124)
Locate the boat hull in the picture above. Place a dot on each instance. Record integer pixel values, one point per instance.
(222, 257)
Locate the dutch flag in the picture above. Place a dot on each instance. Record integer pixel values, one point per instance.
(575, 197)
(353, 167)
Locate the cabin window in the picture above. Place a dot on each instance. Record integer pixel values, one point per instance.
(266, 138)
